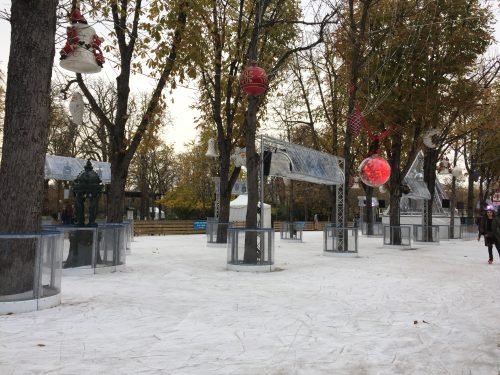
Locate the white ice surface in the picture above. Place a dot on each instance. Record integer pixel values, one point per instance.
(175, 309)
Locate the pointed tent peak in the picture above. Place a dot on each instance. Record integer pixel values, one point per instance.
(417, 187)
(88, 166)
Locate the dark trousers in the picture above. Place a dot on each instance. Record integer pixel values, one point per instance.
(489, 241)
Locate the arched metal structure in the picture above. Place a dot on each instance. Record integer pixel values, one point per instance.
(296, 162)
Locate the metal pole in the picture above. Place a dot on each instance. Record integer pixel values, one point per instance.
(261, 182)
(340, 209)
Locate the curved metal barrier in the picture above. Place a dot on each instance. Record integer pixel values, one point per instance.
(32, 278)
(250, 249)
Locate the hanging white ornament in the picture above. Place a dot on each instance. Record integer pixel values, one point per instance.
(457, 172)
(76, 107)
(382, 189)
(430, 138)
(355, 182)
(239, 156)
(82, 52)
(211, 150)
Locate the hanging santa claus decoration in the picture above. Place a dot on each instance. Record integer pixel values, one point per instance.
(374, 171)
(355, 182)
(253, 80)
(444, 166)
(82, 51)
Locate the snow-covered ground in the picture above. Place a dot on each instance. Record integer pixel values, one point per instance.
(176, 310)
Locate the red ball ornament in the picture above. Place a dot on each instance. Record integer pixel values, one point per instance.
(253, 80)
(374, 171)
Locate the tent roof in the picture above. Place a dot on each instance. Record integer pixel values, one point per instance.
(418, 189)
(242, 201)
(68, 169)
(414, 179)
(301, 163)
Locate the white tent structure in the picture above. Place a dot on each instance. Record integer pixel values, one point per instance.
(67, 168)
(238, 210)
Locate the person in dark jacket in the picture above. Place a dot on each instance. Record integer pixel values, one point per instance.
(488, 226)
(67, 215)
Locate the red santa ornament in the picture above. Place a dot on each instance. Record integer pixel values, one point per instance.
(82, 52)
(374, 171)
(253, 80)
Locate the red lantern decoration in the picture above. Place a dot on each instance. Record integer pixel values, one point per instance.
(253, 80)
(374, 171)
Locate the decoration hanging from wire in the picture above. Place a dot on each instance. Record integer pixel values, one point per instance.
(431, 138)
(239, 156)
(211, 149)
(354, 123)
(82, 52)
(374, 171)
(444, 166)
(457, 172)
(76, 108)
(253, 80)
(355, 182)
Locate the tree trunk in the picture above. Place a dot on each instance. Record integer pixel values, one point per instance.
(470, 198)
(395, 187)
(453, 195)
(46, 200)
(368, 219)
(27, 107)
(145, 214)
(251, 251)
(225, 193)
(116, 193)
(430, 161)
(453, 203)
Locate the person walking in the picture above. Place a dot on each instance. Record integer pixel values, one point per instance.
(316, 222)
(488, 227)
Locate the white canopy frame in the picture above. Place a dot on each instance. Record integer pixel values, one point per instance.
(296, 162)
(67, 168)
(414, 179)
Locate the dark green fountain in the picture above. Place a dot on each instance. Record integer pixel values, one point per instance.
(87, 189)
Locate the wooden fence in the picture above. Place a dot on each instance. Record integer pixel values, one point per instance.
(164, 227)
